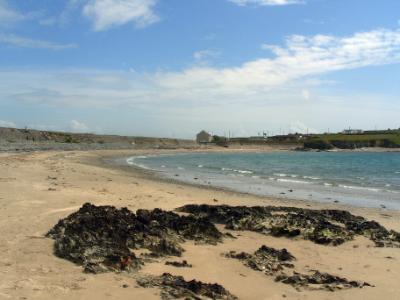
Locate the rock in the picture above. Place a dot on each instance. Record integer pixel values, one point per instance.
(174, 287)
(328, 227)
(273, 262)
(319, 281)
(178, 264)
(100, 237)
(265, 259)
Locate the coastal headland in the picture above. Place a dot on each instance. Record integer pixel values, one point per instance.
(40, 189)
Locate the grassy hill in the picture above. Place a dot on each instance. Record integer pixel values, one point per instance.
(29, 139)
(353, 141)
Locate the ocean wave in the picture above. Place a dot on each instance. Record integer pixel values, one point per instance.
(352, 187)
(280, 174)
(243, 172)
(311, 177)
(328, 184)
(293, 181)
(199, 166)
(226, 169)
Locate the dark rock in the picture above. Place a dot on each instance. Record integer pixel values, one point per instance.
(273, 262)
(174, 287)
(100, 237)
(179, 264)
(319, 281)
(265, 259)
(328, 227)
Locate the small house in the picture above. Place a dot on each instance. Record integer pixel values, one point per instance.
(203, 137)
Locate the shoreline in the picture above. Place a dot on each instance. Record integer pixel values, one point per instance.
(159, 176)
(39, 189)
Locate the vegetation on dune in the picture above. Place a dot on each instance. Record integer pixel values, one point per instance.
(353, 141)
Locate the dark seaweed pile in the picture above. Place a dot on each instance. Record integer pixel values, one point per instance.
(103, 238)
(265, 259)
(174, 287)
(178, 264)
(100, 237)
(328, 227)
(276, 263)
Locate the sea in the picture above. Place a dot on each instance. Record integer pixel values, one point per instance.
(364, 179)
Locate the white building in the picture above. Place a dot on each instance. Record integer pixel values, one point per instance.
(203, 137)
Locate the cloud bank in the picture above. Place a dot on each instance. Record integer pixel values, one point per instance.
(23, 42)
(106, 14)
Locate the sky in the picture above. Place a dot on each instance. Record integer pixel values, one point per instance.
(170, 68)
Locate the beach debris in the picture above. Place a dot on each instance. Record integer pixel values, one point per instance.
(174, 287)
(319, 281)
(101, 238)
(327, 227)
(273, 262)
(178, 264)
(265, 259)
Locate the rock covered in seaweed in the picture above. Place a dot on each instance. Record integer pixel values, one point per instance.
(319, 281)
(265, 259)
(328, 227)
(273, 262)
(100, 237)
(178, 264)
(174, 287)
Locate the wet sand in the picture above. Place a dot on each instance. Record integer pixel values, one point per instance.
(38, 189)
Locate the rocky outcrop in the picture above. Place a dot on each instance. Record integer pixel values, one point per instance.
(277, 263)
(100, 237)
(265, 259)
(328, 227)
(319, 281)
(176, 287)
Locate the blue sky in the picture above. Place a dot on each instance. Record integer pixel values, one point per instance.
(171, 68)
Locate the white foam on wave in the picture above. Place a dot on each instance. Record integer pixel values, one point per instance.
(244, 172)
(226, 169)
(131, 161)
(200, 166)
(280, 174)
(293, 181)
(311, 177)
(352, 187)
(328, 184)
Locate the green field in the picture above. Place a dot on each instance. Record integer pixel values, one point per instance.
(351, 141)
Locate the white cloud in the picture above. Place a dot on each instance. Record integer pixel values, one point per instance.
(23, 42)
(300, 127)
(266, 2)
(77, 126)
(8, 14)
(110, 13)
(271, 89)
(205, 56)
(7, 124)
(301, 57)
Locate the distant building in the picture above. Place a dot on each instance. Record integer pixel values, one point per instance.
(352, 131)
(203, 137)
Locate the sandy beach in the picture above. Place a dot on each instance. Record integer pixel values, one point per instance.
(38, 189)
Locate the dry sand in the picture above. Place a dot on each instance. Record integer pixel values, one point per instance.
(38, 189)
